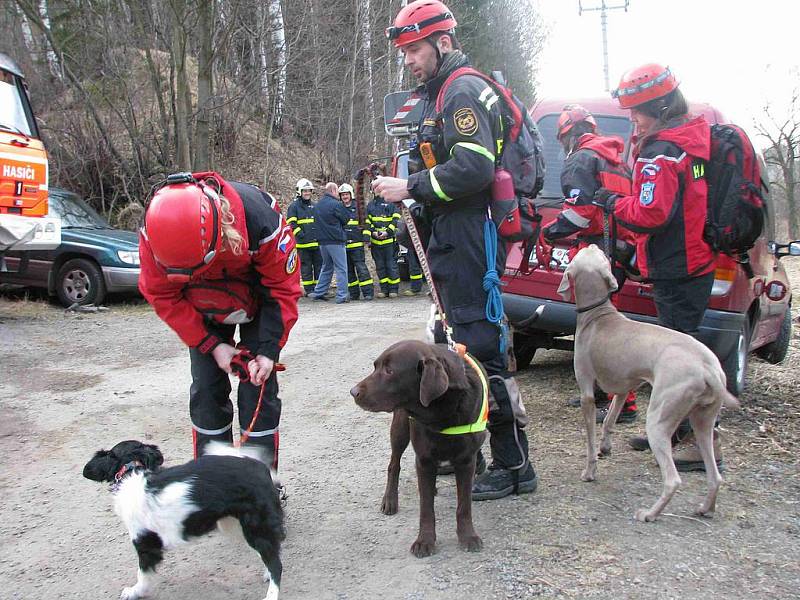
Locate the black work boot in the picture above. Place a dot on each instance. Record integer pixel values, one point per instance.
(499, 482)
(640, 442)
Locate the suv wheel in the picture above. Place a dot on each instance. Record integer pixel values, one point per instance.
(524, 350)
(735, 364)
(80, 281)
(775, 351)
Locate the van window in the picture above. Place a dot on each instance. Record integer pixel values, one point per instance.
(554, 154)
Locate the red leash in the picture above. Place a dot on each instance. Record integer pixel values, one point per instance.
(239, 368)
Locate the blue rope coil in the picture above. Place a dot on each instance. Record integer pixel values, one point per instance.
(491, 283)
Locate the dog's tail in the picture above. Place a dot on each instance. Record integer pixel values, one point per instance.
(716, 380)
(255, 452)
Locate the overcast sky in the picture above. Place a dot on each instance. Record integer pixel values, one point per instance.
(734, 54)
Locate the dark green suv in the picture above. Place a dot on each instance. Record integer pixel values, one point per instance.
(92, 260)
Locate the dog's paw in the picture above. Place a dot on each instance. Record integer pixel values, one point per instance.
(471, 543)
(130, 593)
(704, 511)
(589, 474)
(605, 450)
(422, 548)
(389, 505)
(644, 516)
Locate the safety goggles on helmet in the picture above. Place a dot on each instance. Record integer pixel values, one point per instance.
(183, 225)
(393, 33)
(644, 84)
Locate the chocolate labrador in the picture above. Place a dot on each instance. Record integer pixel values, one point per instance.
(440, 403)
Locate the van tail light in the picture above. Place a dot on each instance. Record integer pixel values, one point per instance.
(724, 275)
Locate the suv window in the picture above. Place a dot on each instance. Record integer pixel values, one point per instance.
(554, 154)
(74, 212)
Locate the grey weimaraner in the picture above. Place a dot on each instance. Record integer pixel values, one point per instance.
(619, 354)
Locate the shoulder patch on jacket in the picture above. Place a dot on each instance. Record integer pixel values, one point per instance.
(291, 261)
(646, 195)
(465, 121)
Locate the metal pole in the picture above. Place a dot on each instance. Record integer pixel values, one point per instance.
(604, 25)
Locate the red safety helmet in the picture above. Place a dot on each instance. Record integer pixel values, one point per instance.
(184, 226)
(418, 20)
(571, 115)
(643, 84)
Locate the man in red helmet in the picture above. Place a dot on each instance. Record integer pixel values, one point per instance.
(592, 161)
(455, 192)
(216, 254)
(667, 207)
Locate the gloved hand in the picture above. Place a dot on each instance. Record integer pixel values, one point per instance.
(544, 250)
(605, 199)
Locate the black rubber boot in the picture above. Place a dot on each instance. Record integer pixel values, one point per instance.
(499, 482)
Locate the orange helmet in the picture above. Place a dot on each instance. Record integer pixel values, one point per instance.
(183, 226)
(571, 115)
(643, 84)
(418, 20)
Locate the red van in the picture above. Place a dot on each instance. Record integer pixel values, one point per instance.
(744, 314)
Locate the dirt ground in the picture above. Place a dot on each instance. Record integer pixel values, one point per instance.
(72, 383)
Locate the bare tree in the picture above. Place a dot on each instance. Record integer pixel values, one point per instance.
(783, 156)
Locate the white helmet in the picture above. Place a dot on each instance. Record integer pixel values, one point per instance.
(303, 184)
(345, 188)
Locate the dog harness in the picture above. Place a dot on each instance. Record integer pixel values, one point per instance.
(483, 416)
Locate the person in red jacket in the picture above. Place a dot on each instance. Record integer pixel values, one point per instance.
(668, 208)
(216, 255)
(593, 162)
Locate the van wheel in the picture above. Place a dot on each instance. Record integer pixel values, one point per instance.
(775, 351)
(80, 281)
(524, 350)
(735, 364)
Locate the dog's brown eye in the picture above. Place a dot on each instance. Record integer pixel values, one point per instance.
(387, 369)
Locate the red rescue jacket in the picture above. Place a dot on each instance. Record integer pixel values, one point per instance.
(595, 162)
(262, 282)
(669, 202)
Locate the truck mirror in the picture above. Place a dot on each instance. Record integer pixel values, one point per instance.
(794, 248)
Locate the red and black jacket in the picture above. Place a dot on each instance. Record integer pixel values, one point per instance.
(261, 282)
(669, 202)
(595, 162)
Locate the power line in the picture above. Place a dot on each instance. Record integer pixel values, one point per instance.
(603, 8)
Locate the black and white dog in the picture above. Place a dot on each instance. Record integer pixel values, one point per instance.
(165, 508)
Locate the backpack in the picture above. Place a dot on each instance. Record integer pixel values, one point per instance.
(521, 157)
(735, 216)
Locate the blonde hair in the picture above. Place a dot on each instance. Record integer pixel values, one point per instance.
(230, 234)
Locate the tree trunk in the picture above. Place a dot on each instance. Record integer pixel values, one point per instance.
(182, 112)
(205, 86)
(366, 50)
(278, 39)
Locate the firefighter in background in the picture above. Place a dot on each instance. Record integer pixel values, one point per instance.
(456, 191)
(359, 281)
(592, 162)
(414, 273)
(382, 220)
(205, 280)
(300, 216)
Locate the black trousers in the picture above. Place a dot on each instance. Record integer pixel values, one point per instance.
(210, 406)
(359, 281)
(414, 270)
(457, 257)
(680, 306)
(310, 267)
(386, 264)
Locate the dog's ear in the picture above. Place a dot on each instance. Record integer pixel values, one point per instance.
(610, 280)
(103, 466)
(433, 380)
(565, 289)
(456, 371)
(149, 455)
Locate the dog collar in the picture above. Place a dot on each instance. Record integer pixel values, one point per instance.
(483, 416)
(595, 305)
(127, 468)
